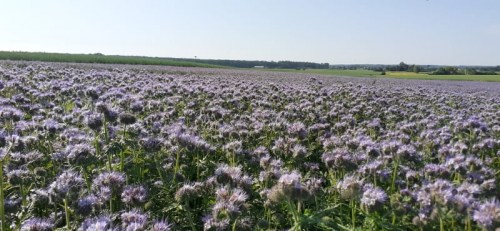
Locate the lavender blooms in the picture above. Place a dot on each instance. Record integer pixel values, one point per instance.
(115, 147)
(373, 197)
(127, 119)
(487, 214)
(134, 195)
(134, 220)
(94, 121)
(161, 225)
(113, 180)
(67, 185)
(350, 187)
(289, 187)
(37, 224)
(103, 223)
(80, 153)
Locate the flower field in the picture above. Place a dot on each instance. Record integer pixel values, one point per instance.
(110, 147)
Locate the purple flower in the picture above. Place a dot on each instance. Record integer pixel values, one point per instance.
(210, 223)
(289, 187)
(161, 225)
(134, 220)
(487, 214)
(80, 153)
(87, 204)
(187, 192)
(373, 197)
(94, 121)
(18, 176)
(290, 180)
(297, 129)
(151, 144)
(260, 151)
(227, 174)
(350, 187)
(134, 195)
(299, 151)
(102, 223)
(10, 113)
(127, 119)
(67, 185)
(37, 224)
(113, 180)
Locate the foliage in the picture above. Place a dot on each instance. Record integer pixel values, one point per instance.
(97, 58)
(183, 62)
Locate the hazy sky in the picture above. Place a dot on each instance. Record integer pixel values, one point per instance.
(449, 32)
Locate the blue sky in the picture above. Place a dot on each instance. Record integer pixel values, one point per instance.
(448, 32)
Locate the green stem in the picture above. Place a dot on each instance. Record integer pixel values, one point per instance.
(394, 174)
(177, 160)
(86, 177)
(2, 212)
(66, 211)
(106, 137)
(468, 225)
(295, 215)
(190, 216)
(197, 165)
(122, 160)
(234, 225)
(23, 195)
(109, 162)
(2, 195)
(111, 203)
(353, 214)
(124, 132)
(298, 207)
(158, 167)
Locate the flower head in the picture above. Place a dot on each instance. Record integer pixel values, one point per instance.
(487, 214)
(37, 224)
(161, 225)
(134, 195)
(373, 197)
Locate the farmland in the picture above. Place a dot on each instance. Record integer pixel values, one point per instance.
(395, 75)
(139, 60)
(120, 147)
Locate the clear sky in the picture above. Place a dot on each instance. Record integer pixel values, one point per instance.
(448, 32)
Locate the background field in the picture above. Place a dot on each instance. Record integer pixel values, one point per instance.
(398, 75)
(115, 59)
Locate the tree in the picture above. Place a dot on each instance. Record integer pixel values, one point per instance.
(470, 71)
(416, 69)
(446, 71)
(403, 66)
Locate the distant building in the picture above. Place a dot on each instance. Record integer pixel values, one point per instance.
(259, 67)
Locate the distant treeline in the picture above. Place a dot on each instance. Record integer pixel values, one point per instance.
(264, 64)
(118, 59)
(97, 58)
(430, 69)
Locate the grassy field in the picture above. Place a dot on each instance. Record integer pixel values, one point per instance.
(398, 75)
(354, 73)
(116, 59)
(96, 58)
(411, 75)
